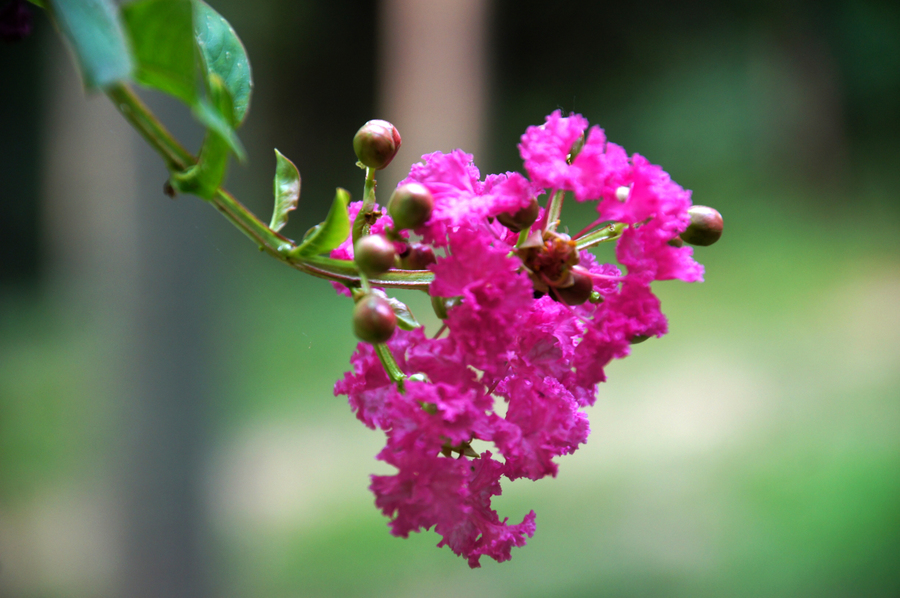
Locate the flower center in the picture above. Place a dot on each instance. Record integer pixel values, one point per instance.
(549, 260)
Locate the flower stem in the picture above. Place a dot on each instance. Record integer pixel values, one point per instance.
(177, 159)
(554, 210)
(346, 272)
(523, 236)
(364, 283)
(361, 223)
(390, 364)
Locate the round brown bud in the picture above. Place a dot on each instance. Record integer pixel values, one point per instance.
(580, 290)
(373, 255)
(417, 257)
(522, 219)
(705, 227)
(410, 206)
(373, 319)
(376, 143)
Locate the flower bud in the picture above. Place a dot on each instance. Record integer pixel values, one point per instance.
(705, 227)
(522, 219)
(373, 319)
(580, 289)
(373, 255)
(576, 149)
(410, 206)
(376, 143)
(417, 257)
(440, 305)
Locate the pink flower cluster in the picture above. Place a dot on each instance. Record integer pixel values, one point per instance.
(506, 341)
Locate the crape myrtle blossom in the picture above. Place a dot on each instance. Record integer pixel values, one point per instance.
(512, 334)
(530, 319)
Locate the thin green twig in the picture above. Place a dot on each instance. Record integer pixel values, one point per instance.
(177, 159)
(141, 118)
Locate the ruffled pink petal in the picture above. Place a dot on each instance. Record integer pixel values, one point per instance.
(542, 422)
(482, 533)
(494, 296)
(460, 199)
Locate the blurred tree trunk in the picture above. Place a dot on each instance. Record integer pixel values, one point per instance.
(433, 76)
(134, 266)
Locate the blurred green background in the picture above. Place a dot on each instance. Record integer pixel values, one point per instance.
(167, 425)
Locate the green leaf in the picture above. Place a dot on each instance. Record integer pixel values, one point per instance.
(165, 33)
(223, 54)
(97, 38)
(405, 318)
(287, 191)
(310, 231)
(205, 177)
(162, 36)
(331, 233)
(213, 119)
(37, 3)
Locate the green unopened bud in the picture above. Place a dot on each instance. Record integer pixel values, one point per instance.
(705, 227)
(373, 255)
(676, 242)
(576, 149)
(522, 219)
(580, 289)
(410, 206)
(373, 319)
(417, 257)
(440, 305)
(376, 143)
(639, 338)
